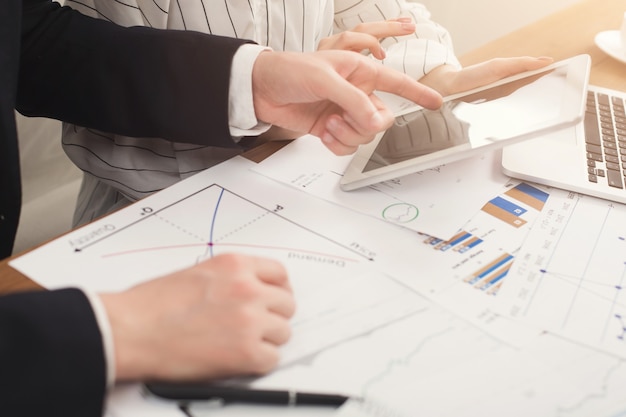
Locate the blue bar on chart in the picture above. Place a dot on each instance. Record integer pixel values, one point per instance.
(492, 271)
(511, 213)
(508, 206)
(455, 240)
(431, 240)
(528, 195)
(468, 245)
(506, 211)
(495, 278)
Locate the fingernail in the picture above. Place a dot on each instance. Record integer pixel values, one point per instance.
(408, 26)
(332, 124)
(377, 120)
(327, 138)
(404, 19)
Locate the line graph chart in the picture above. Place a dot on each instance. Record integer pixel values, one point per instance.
(433, 363)
(212, 220)
(570, 274)
(189, 224)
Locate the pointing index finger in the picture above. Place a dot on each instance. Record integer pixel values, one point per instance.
(395, 82)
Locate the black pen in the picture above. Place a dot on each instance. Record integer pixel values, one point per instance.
(229, 394)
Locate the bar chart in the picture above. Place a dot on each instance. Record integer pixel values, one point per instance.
(481, 254)
(508, 209)
(491, 276)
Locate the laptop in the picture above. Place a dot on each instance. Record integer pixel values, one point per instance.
(589, 158)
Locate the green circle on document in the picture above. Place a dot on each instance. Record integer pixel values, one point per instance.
(401, 213)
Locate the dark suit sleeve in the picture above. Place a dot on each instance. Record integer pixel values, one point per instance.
(133, 81)
(51, 355)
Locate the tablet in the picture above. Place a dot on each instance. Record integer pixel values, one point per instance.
(498, 114)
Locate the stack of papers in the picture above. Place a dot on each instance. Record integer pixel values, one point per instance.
(451, 292)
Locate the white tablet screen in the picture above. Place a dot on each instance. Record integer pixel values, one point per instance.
(484, 118)
(499, 112)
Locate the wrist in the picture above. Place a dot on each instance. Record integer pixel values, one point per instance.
(442, 79)
(132, 356)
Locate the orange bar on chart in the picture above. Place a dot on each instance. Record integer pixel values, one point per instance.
(503, 215)
(526, 198)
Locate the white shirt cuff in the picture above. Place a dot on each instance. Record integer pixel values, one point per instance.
(241, 115)
(107, 335)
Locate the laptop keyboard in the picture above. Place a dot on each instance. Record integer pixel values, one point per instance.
(605, 137)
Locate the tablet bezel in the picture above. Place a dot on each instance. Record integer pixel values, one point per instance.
(572, 112)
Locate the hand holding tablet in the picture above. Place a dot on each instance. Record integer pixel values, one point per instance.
(510, 110)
